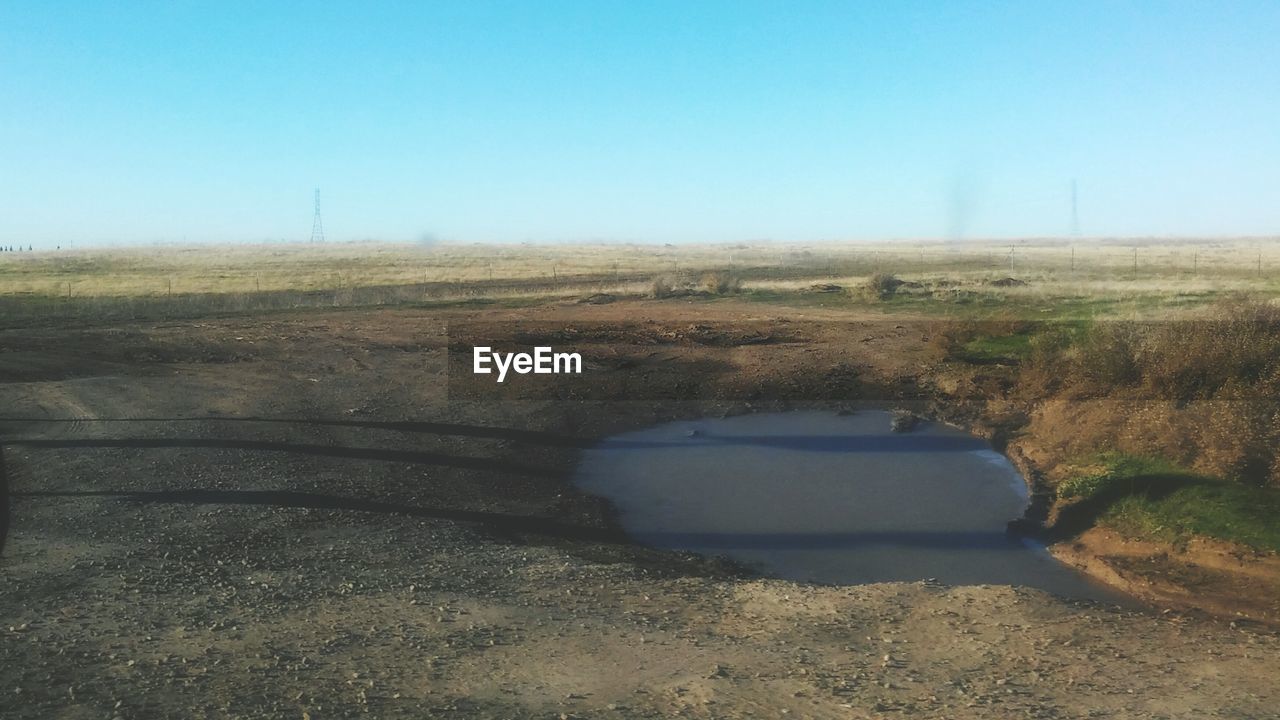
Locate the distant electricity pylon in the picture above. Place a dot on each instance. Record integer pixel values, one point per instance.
(317, 227)
(1075, 211)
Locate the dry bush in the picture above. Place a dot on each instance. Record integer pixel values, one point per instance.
(1233, 353)
(1210, 388)
(947, 338)
(881, 286)
(1238, 441)
(1044, 368)
(1096, 363)
(1109, 356)
(662, 286)
(1224, 438)
(721, 283)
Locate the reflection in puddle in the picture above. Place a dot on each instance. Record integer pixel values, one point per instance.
(826, 498)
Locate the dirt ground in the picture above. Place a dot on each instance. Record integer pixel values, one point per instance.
(317, 515)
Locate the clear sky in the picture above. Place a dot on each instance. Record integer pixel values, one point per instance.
(687, 120)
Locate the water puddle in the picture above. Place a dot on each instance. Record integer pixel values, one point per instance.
(820, 497)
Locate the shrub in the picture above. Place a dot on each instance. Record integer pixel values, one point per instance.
(721, 283)
(1218, 375)
(1233, 353)
(662, 286)
(1108, 355)
(881, 286)
(1048, 354)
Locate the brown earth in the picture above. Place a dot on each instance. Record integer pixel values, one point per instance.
(308, 515)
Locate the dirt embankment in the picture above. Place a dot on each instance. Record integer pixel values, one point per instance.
(1044, 437)
(308, 515)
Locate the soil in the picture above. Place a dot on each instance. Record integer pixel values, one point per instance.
(321, 514)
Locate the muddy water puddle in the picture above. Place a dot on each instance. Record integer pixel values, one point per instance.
(821, 497)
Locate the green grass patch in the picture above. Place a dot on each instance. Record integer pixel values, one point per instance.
(1118, 474)
(1152, 498)
(1005, 348)
(800, 298)
(979, 303)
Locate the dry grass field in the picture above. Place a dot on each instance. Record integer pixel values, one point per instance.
(1086, 266)
(1039, 278)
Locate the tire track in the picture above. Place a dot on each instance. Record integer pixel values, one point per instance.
(4, 503)
(65, 415)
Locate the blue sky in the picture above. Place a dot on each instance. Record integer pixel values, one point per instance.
(732, 120)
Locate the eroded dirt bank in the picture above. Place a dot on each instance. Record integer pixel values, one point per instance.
(414, 547)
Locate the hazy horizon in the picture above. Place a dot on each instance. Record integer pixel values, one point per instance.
(1121, 241)
(570, 122)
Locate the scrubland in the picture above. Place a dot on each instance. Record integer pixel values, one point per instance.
(1052, 277)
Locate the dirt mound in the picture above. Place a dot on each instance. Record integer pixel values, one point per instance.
(826, 288)
(1005, 282)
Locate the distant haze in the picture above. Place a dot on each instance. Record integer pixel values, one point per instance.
(663, 121)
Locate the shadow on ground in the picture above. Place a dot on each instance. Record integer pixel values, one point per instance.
(1075, 518)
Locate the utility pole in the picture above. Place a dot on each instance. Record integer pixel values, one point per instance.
(317, 227)
(1075, 210)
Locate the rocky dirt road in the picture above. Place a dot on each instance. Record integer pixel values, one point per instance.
(299, 515)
